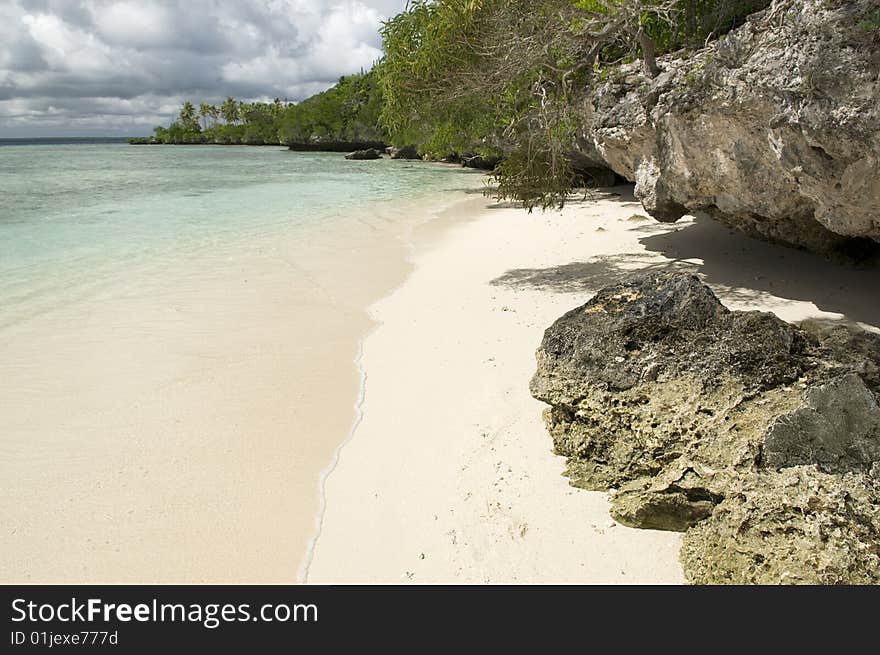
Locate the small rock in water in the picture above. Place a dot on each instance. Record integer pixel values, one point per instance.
(359, 155)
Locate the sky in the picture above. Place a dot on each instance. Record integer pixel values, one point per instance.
(121, 67)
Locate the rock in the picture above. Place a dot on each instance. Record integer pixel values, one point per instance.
(797, 526)
(480, 162)
(599, 177)
(406, 152)
(837, 428)
(773, 129)
(659, 391)
(359, 155)
(675, 500)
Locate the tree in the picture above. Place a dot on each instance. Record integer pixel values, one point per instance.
(347, 112)
(608, 20)
(204, 114)
(277, 107)
(229, 111)
(188, 116)
(507, 75)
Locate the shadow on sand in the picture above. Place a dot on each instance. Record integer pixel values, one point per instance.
(739, 268)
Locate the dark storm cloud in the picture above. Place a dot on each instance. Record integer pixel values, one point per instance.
(122, 66)
(25, 55)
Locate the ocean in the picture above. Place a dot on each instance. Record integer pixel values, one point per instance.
(180, 329)
(81, 217)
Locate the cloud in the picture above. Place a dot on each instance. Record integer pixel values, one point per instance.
(123, 66)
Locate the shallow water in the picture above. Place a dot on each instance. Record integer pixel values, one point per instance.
(77, 217)
(178, 329)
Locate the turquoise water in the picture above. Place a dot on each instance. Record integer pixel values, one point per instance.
(76, 217)
(179, 329)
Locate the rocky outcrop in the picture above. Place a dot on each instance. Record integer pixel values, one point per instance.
(693, 415)
(468, 160)
(360, 155)
(404, 152)
(328, 145)
(480, 162)
(773, 129)
(795, 526)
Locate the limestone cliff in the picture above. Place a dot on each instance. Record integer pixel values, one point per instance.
(773, 129)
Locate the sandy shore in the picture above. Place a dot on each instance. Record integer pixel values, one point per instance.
(449, 476)
(172, 428)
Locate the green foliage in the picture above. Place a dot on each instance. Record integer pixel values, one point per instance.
(468, 76)
(505, 76)
(673, 25)
(348, 112)
(179, 132)
(229, 111)
(188, 120)
(535, 179)
(871, 22)
(422, 44)
(487, 77)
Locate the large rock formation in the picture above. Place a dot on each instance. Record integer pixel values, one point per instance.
(773, 129)
(693, 415)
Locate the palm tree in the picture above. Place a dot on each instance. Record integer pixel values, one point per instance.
(229, 110)
(204, 112)
(188, 116)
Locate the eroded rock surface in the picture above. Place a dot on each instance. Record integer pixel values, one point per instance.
(837, 428)
(663, 396)
(773, 129)
(795, 526)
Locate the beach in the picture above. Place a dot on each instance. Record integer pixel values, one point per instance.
(178, 361)
(341, 401)
(449, 475)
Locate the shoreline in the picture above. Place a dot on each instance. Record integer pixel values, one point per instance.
(194, 406)
(448, 476)
(482, 533)
(439, 219)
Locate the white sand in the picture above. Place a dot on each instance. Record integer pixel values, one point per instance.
(449, 476)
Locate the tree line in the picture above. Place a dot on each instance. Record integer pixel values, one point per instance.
(346, 113)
